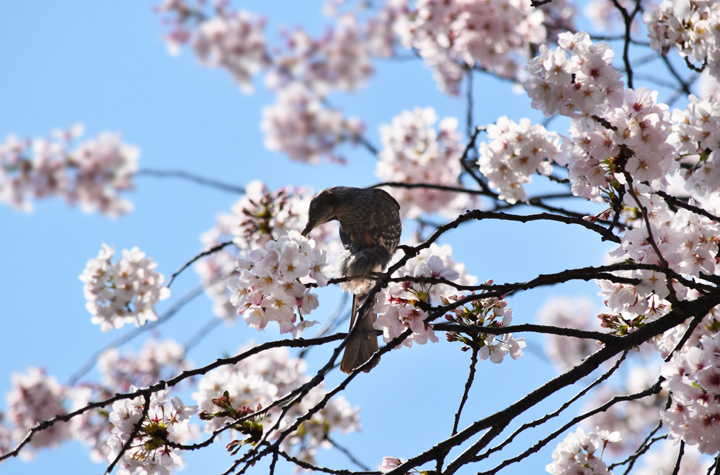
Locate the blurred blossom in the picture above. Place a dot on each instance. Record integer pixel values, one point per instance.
(568, 312)
(493, 35)
(582, 453)
(661, 461)
(302, 126)
(90, 174)
(35, 397)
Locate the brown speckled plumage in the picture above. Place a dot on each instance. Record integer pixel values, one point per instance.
(370, 229)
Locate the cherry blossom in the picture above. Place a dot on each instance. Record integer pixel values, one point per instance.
(568, 312)
(91, 174)
(35, 397)
(693, 377)
(514, 153)
(166, 420)
(303, 127)
(578, 76)
(390, 463)
(691, 27)
(256, 382)
(415, 152)
(124, 292)
(582, 453)
(256, 218)
(399, 306)
(488, 34)
(268, 287)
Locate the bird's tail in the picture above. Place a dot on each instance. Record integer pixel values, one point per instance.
(363, 342)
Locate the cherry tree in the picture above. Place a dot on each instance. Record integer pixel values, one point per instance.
(625, 154)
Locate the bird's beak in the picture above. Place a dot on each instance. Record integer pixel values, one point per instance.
(309, 227)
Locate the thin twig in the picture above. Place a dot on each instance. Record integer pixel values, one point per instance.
(90, 363)
(212, 250)
(193, 178)
(133, 434)
(347, 453)
(468, 385)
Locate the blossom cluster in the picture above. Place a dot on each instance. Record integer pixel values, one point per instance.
(415, 152)
(302, 126)
(613, 130)
(165, 421)
(696, 138)
(515, 152)
(693, 27)
(401, 305)
(91, 174)
(584, 81)
(633, 420)
(490, 34)
(300, 123)
(259, 380)
(258, 217)
(35, 397)
(124, 292)
(687, 241)
(693, 378)
(568, 312)
(268, 287)
(338, 60)
(485, 312)
(582, 453)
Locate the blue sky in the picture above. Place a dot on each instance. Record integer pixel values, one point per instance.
(104, 64)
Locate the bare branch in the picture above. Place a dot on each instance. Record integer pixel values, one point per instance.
(238, 190)
(212, 250)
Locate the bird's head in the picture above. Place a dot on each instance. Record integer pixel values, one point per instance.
(322, 210)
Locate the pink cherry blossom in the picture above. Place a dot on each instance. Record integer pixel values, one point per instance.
(124, 292)
(415, 152)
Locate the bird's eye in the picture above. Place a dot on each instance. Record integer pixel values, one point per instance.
(313, 205)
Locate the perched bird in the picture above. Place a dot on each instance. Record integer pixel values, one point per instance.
(370, 229)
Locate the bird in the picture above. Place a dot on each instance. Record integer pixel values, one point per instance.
(370, 229)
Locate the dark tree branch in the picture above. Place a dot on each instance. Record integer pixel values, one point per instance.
(502, 418)
(348, 454)
(547, 417)
(681, 452)
(682, 204)
(527, 327)
(299, 343)
(468, 385)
